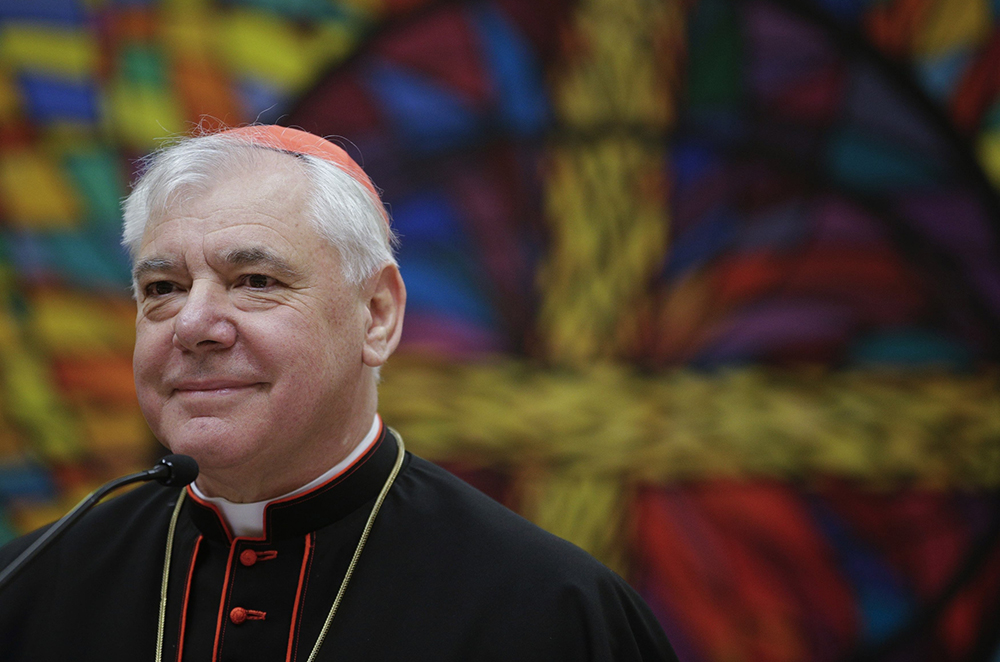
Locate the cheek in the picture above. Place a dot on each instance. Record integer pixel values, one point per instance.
(143, 358)
(147, 366)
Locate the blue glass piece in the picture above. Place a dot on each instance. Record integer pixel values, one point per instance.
(438, 262)
(6, 530)
(717, 125)
(67, 12)
(517, 74)
(885, 610)
(77, 258)
(690, 161)
(910, 348)
(939, 76)
(135, 3)
(53, 99)
(434, 284)
(25, 481)
(845, 10)
(425, 114)
(867, 164)
(428, 217)
(702, 242)
(884, 603)
(27, 254)
(265, 103)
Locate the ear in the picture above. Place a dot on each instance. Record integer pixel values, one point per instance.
(385, 297)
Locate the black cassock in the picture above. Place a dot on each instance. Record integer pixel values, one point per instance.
(447, 574)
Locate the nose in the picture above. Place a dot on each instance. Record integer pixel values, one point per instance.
(205, 322)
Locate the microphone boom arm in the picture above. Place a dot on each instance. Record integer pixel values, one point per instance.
(164, 471)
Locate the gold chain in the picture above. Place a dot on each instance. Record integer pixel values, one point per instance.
(166, 574)
(343, 585)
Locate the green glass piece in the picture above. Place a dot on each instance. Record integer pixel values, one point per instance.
(716, 51)
(143, 65)
(992, 119)
(90, 259)
(100, 182)
(306, 9)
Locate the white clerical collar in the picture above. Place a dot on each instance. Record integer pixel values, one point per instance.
(247, 519)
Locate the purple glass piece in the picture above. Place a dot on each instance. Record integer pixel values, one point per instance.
(764, 330)
(781, 49)
(449, 336)
(837, 221)
(951, 219)
(882, 112)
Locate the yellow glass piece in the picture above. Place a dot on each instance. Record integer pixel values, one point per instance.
(35, 191)
(590, 511)
(66, 137)
(609, 228)
(30, 516)
(35, 406)
(11, 443)
(142, 116)
(70, 324)
(605, 199)
(267, 48)
(333, 41)
(68, 53)
(177, 6)
(29, 399)
(932, 429)
(953, 24)
(10, 101)
(117, 430)
(989, 154)
(620, 79)
(189, 31)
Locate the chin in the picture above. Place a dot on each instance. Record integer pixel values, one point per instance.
(214, 450)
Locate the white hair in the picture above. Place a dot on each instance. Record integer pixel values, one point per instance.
(342, 209)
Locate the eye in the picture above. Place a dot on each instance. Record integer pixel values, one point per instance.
(258, 281)
(159, 288)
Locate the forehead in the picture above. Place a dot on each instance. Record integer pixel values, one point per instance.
(267, 204)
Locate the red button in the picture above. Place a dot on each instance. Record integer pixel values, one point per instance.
(238, 615)
(248, 557)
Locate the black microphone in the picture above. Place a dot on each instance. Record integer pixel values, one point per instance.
(172, 471)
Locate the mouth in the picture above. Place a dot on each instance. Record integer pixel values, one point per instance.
(212, 388)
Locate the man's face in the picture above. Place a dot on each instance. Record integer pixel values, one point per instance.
(249, 343)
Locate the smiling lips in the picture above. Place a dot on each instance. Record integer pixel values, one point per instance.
(212, 387)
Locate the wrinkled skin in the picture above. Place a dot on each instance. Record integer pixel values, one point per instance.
(252, 354)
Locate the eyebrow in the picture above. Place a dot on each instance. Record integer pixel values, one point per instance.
(259, 255)
(237, 257)
(152, 265)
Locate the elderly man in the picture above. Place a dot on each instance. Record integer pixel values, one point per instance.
(268, 297)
